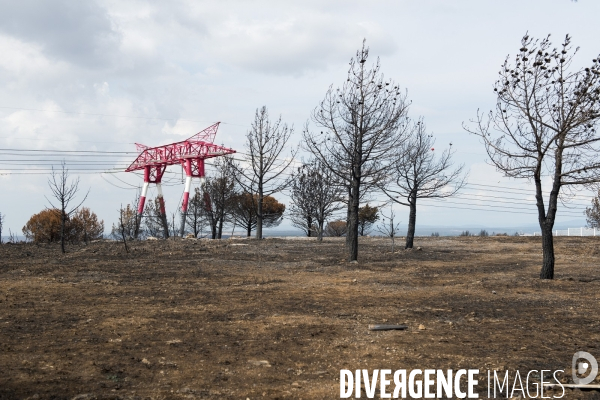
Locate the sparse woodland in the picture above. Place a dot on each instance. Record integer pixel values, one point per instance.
(363, 144)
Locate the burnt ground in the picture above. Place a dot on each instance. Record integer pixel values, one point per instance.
(187, 319)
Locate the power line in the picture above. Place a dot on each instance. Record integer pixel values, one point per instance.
(484, 197)
(492, 206)
(479, 209)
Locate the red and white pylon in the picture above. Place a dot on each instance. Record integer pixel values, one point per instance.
(190, 153)
(194, 168)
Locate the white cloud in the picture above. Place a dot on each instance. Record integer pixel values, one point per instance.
(207, 61)
(294, 45)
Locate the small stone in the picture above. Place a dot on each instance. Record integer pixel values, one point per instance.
(145, 361)
(354, 281)
(493, 292)
(422, 327)
(260, 363)
(354, 262)
(419, 249)
(83, 396)
(296, 384)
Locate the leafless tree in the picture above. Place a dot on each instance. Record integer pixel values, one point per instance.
(544, 125)
(358, 126)
(127, 223)
(418, 174)
(388, 227)
(154, 223)
(122, 228)
(64, 193)
(196, 213)
(316, 194)
(262, 171)
(174, 226)
(302, 208)
(128, 220)
(219, 192)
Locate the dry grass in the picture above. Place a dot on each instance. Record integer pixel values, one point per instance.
(279, 318)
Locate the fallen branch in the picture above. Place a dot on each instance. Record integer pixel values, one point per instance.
(387, 327)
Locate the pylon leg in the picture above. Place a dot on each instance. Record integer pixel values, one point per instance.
(184, 206)
(140, 210)
(163, 213)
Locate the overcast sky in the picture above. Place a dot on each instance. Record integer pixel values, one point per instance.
(102, 75)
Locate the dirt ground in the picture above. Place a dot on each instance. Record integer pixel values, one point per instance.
(279, 318)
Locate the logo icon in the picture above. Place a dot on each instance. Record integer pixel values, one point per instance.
(590, 365)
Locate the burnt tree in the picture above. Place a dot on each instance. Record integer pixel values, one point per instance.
(316, 195)
(358, 126)
(264, 164)
(544, 125)
(418, 174)
(64, 192)
(219, 191)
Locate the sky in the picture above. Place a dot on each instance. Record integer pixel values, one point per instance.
(103, 75)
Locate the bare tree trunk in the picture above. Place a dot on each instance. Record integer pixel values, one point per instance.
(249, 230)
(123, 228)
(62, 229)
(259, 213)
(220, 231)
(546, 224)
(352, 233)
(412, 223)
(213, 230)
(348, 215)
(548, 251)
(320, 233)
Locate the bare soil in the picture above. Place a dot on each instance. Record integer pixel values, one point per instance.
(237, 319)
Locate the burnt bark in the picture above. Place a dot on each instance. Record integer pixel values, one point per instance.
(358, 127)
(548, 251)
(320, 233)
(352, 233)
(259, 213)
(545, 124)
(546, 221)
(412, 222)
(220, 229)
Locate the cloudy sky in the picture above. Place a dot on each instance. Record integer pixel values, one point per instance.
(102, 75)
